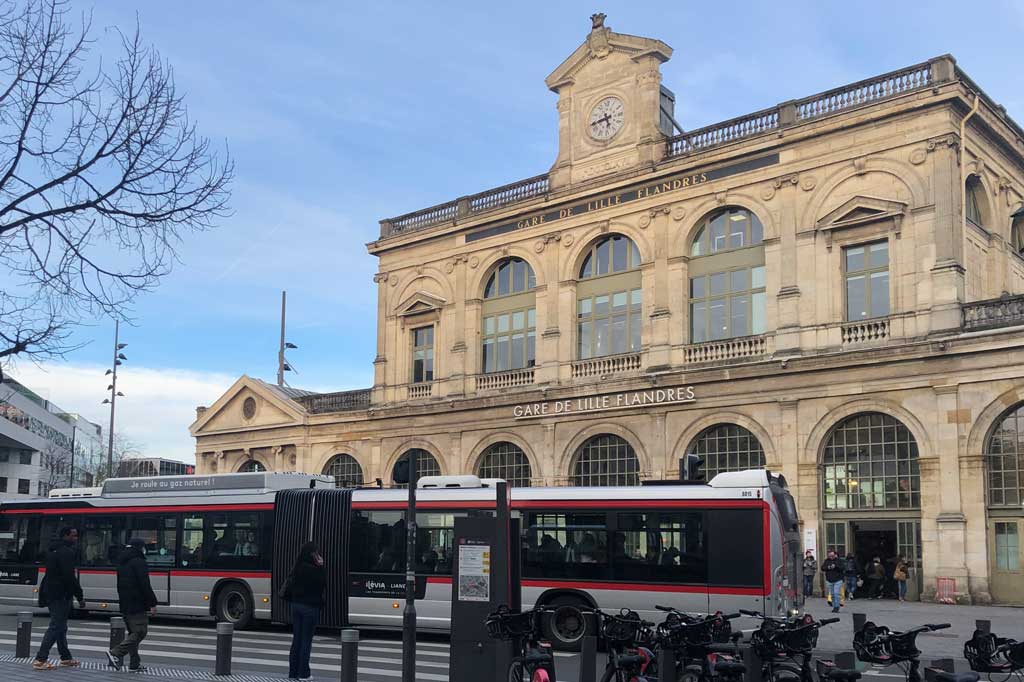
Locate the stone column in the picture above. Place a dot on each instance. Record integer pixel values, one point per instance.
(972, 485)
(787, 443)
(948, 270)
(304, 458)
(657, 448)
(548, 332)
(559, 175)
(780, 256)
(656, 292)
(950, 522)
(457, 371)
(547, 455)
(380, 363)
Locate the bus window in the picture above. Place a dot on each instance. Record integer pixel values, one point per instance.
(102, 540)
(434, 533)
(566, 545)
(193, 540)
(49, 533)
(16, 545)
(160, 533)
(377, 542)
(662, 547)
(232, 540)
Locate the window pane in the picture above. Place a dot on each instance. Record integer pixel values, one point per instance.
(698, 287)
(503, 321)
(587, 269)
(698, 248)
(879, 294)
(603, 257)
(738, 316)
(757, 313)
(502, 353)
(636, 299)
(619, 334)
(102, 540)
(756, 231)
(519, 319)
(698, 322)
(717, 324)
(584, 306)
(600, 305)
(160, 536)
(619, 299)
(856, 302)
(718, 233)
(620, 254)
(719, 283)
(634, 259)
(519, 275)
(503, 278)
(488, 355)
(488, 325)
(428, 364)
(602, 344)
(531, 318)
(878, 255)
(531, 349)
(854, 258)
(634, 333)
(518, 359)
(739, 280)
(492, 287)
(757, 277)
(659, 547)
(585, 340)
(737, 229)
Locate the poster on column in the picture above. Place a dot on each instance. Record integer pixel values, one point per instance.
(475, 573)
(811, 540)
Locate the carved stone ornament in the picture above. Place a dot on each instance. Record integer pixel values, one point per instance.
(808, 182)
(678, 212)
(567, 240)
(449, 267)
(768, 192)
(918, 156)
(393, 281)
(473, 262)
(720, 198)
(538, 247)
(380, 277)
(648, 77)
(597, 20)
(860, 165)
(950, 141)
(644, 221)
(249, 408)
(598, 38)
(790, 179)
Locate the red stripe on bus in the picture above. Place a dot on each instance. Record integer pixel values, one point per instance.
(634, 504)
(766, 541)
(439, 580)
(72, 511)
(401, 505)
(637, 587)
(219, 574)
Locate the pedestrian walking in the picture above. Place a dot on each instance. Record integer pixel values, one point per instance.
(138, 603)
(59, 587)
(810, 570)
(833, 570)
(850, 574)
(876, 578)
(899, 574)
(304, 590)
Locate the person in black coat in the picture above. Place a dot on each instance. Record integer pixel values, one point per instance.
(305, 592)
(138, 602)
(59, 587)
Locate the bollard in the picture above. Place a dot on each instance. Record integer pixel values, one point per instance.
(858, 621)
(753, 663)
(983, 626)
(666, 665)
(225, 632)
(116, 631)
(943, 664)
(846, 660)
(349, 655)
(588, 660)
(23, 648)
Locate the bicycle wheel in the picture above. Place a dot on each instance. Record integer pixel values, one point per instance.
(517, 671)
(613, 674)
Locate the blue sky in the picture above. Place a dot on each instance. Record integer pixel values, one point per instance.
(339, 114)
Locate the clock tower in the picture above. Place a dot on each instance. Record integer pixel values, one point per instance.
(613, 113)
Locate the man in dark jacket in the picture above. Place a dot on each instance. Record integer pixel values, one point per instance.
(59, 587)
(138, 602)
(833, 570)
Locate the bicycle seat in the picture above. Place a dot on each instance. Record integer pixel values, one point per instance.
(730, 667)
(628, 660)
(721, 648)
(840, 675)
(942, 676)
(533, 656)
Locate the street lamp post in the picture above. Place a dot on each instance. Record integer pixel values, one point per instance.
(114, 393)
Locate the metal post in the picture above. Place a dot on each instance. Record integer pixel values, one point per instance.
(858, 621)
(116, 631)
(225, 632)
(588, 660)
(74, 430)
(846, 660)
(113, 400)
(666, 665)
(349, 655)
(409, 616)
(984, 626)
(280, 351)
(23, 648)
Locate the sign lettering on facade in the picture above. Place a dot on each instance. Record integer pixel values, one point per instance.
(666, 185)
(608, 401)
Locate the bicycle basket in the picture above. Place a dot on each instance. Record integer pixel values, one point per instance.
(719, 630)
(507, 625)
(1016, 655)
(980, 652)
(765, 640)
(903, 647)
(621, 629)
(798, 641)
(871, 644)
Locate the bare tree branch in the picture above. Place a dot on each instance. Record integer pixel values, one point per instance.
(101, 176)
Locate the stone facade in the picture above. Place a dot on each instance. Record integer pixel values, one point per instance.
(919, 163)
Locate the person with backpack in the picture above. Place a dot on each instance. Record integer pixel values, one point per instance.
(138, 602)
(810, 570)
(304, 590)
(899, 574)
(56, 592)
(833, 570)
(850, 574)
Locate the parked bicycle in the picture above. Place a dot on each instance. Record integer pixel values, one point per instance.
(785, 645)
(629, 640)
(533, 660)
(879, 645)
(987, 653)
(703, 645)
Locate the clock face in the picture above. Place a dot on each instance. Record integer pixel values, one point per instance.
(606, 119)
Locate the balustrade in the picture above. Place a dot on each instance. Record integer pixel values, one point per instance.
(342, 401)
(866, 331)
(511, 379)
(1007, 311)
(605, 366)
(730, 349)
(424, 390)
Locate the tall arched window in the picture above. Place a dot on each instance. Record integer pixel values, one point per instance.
(250, 466)
(727, 289)
(426, 465)
(870, 462)
(727, 447)
(605, 459)
(345, 470)
(509, 332)
(974, 195)
(1004, 459)
(508, 461)
(1017, 230)
(609, 299)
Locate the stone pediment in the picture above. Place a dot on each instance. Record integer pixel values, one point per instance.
(862, 210)
(248, 404)
(602, 42)
(419, 303)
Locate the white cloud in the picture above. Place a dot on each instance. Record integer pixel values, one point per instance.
(158, 407)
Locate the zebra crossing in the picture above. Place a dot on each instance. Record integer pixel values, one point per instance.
(253, 651)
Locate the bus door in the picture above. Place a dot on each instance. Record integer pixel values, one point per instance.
(740, 570)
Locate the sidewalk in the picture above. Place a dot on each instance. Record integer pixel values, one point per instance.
(20, 670)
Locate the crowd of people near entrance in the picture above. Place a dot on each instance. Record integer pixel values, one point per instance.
(848, 578)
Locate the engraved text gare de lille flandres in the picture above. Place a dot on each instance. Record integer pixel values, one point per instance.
(609, 401)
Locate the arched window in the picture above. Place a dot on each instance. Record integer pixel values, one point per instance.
(1004, 457)
(509, 332)
(727, 277)
(345, 470)
(426, 465)
(609, 299)
(870, 462)
(606, 459)
(1017, 230)
(727, 447)
(251, 466)
(974, 195)
(508, 461)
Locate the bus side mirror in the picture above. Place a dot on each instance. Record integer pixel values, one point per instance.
(400, 474)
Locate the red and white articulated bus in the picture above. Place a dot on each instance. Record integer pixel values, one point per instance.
(216, 545)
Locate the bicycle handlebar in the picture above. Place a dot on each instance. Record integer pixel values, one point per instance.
(938, 626)
(828, 621)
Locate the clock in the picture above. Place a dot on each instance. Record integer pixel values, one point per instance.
(606, 119)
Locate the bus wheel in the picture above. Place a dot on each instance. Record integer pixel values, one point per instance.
(566, 625)
(234, 605)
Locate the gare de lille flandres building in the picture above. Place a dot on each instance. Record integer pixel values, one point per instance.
(832, 287)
